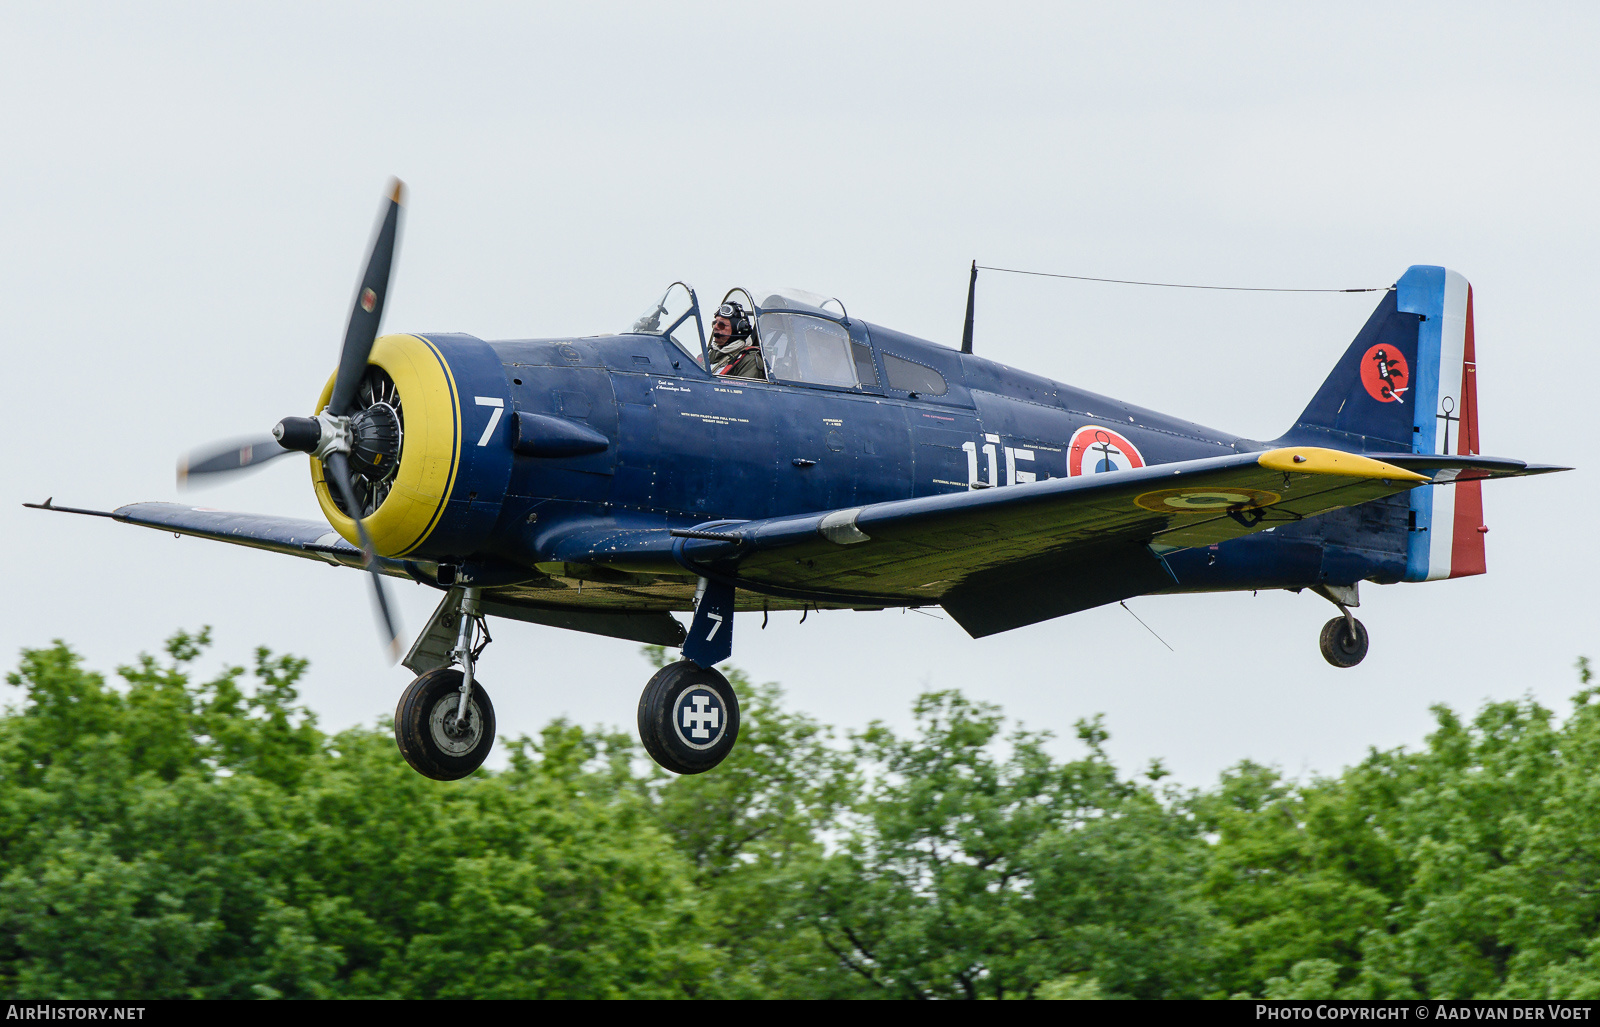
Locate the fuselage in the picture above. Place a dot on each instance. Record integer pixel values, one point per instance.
(691, 448)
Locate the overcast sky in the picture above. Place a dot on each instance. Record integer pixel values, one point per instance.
(186, 192)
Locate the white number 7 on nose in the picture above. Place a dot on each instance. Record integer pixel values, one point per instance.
(494, 418)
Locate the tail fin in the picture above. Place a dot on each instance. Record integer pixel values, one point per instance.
(1409, 382)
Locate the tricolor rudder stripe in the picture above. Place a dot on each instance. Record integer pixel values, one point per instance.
(1446, 540)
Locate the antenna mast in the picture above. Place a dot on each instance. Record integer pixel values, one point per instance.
(972, 290)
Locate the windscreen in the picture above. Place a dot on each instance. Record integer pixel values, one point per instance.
(677, 316)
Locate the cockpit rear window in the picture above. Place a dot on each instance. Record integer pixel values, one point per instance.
(910, 376)
(864, 369)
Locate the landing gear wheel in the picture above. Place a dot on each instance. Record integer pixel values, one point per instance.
(1339, 646)
(425, 726)
(688, 718)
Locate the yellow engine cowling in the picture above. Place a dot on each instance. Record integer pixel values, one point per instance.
(445, 497)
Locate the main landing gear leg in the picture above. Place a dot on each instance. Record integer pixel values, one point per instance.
(689, 714)
(444, 724)
(1344, 639)
(465, 654)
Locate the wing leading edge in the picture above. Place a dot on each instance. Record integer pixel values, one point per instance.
(313, 540)
(316, 540)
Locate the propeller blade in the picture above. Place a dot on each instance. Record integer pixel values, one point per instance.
(338, 468)
(367, 311)
(221, 458)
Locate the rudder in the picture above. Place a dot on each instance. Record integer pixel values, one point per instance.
(1448, 542)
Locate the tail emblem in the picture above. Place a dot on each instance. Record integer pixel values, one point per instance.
(1385, 374)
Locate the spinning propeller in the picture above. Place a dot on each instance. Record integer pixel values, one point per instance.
(357, 435)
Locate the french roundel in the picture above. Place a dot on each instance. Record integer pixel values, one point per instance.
(1096, 450)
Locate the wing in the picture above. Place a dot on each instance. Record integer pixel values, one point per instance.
(315, 540)
(1000, 558)
(312, 540)
(994, 558)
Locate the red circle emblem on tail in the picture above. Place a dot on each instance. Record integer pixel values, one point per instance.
(1385, 374)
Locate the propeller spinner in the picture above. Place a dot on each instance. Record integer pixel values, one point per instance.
(358, 435)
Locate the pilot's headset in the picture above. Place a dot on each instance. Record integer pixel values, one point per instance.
(737, 317)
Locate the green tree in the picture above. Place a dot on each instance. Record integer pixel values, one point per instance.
(170, 839)
(976, 874)
(1465, 869)
(132, 830)
(1297, 872)
(545, 881)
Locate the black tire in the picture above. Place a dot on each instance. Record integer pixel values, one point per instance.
(684, 692)
(1339, 647)
(426, 708)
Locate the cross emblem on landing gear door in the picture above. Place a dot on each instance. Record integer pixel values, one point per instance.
(700, 716)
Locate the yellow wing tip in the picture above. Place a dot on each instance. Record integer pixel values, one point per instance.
(1315, 460)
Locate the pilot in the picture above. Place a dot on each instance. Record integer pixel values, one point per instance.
(734, 350)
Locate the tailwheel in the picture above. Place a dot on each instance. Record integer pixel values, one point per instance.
(433, 738)
(688, 718)
(1344, 641)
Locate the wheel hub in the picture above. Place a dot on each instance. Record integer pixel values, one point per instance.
(450, 734)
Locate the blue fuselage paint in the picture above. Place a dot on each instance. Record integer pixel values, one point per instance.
(690, 448)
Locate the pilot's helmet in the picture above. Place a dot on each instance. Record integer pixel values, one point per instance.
(737, 318)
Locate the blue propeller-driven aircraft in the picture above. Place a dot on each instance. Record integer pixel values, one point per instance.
(789, 456)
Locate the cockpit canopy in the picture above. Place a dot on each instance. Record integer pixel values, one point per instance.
(802, 338)
(802, 301)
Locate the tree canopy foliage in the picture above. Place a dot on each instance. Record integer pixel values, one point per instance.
(170, 837)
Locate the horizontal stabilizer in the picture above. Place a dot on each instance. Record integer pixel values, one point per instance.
(1446, 468)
